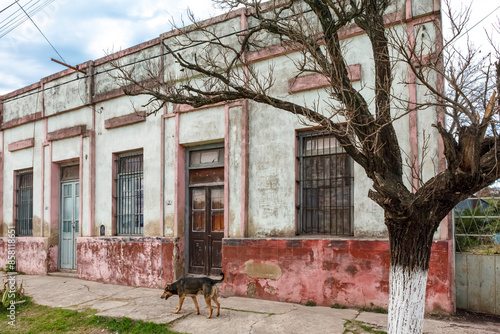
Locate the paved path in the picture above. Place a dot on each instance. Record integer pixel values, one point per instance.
(238, 315)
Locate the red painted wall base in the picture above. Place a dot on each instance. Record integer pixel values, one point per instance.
(354, 273)
(32, 255)
(134, 261)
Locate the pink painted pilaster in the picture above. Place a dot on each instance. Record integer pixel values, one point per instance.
(92, 149)
(114, 171)
(244, 168)
(1, 190)
(162, 168)
(1, 184)
(408, 13)
(80, 188)
(45, 126)
(226, 171)
(297, 178)
(1, 110)
(54, 193)
(412, 91)
(180, 183)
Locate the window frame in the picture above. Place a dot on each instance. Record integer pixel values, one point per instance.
(132, 206)
(340, 188)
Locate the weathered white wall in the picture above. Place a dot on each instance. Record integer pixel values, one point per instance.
(22, 105)
(66, 93)
(235, 165)
(271, 203)
(20, 160)
(143, 136)
(202, 127)
(169, 177)
(272, 141)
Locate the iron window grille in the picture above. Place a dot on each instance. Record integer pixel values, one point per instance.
(325, 186)
(24, 203)
(129, 195)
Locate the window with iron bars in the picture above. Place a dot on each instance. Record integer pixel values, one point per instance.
(24, 203)
(129, 195)
(325, 186)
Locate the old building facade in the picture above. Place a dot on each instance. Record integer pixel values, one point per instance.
(93, 185)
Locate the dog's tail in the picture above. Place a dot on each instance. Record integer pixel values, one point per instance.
(220, 280)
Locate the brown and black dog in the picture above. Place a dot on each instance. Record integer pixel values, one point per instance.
(192, 286)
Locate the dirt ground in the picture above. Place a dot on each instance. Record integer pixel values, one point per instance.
(469, 316)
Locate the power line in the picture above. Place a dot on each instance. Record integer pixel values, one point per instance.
(484, 18)
(16, 19)
(1, 11)
(40, 31)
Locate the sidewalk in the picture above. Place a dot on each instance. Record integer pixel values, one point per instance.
(238, 315)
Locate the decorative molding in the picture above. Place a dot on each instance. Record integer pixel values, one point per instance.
(67, 133)
(133, 118)
(22, 120)
(22, 91)
(21, 144)
(317, 81)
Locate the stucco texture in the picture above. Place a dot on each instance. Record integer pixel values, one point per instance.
(134, 261)
(354, 273)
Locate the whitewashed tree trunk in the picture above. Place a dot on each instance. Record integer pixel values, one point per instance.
(406, 300)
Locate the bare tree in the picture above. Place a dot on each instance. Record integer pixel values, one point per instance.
(454, 82)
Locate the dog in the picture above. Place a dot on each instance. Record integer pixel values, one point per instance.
(191, 287)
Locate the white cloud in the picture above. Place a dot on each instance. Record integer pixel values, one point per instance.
(84, 30)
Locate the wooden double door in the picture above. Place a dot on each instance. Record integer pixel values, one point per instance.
(206, 229)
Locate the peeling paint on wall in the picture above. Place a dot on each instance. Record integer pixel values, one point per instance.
(354, 273)
(134, 261)
(262, 270)
(31, 254)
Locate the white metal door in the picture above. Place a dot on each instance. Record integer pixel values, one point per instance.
(69, 223)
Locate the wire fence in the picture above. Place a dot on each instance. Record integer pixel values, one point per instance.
(477, 225)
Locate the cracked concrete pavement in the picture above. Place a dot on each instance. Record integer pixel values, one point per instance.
(238, 315)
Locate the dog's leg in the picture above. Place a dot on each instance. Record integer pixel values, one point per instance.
(196, 305)
(181, 300)
(217, 303)
(207, 300)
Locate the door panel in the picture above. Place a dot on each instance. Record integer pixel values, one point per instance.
(69, 225)
(206, 229)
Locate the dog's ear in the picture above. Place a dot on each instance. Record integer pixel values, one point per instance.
(168, 288)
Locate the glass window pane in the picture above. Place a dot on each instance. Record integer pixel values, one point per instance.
(209, 157)
(198, 199)
(218, 222)
(198, 221)
(67, 208)
(66, 190)
(217, 198)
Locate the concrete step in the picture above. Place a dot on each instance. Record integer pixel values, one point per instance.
(64, 273)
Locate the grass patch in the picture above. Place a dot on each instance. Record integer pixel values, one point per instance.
(338, 306)
(355, 327)
(34, 318)
(373, 308)
(310, 303)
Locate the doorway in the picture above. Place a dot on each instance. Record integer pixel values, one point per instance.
(69, 216)
(206, 211)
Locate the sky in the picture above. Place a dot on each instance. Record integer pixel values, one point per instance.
(87, 30)
(80, 30)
